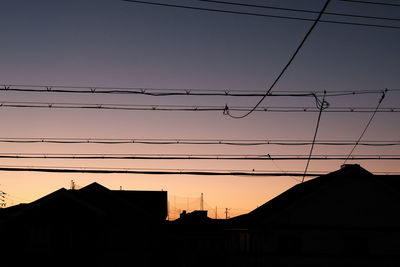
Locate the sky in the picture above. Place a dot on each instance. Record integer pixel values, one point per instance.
(112, 43)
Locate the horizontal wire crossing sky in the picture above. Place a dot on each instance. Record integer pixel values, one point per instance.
(105, 78)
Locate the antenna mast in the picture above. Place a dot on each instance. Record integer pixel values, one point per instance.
(72, 185)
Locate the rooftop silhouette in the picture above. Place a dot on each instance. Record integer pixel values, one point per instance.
(347, 217)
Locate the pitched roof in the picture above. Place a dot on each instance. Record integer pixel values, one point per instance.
(57, 203)
(98, 201)
(94, 187)
(148, 204)
(349, 197)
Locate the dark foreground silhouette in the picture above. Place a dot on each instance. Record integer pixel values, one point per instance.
(349, 217)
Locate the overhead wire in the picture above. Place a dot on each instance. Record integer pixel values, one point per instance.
(129, 170)
(155, 172)
(226, 108)
(157, 169)
(322, 105)
(101, 107)
(284, 68)
(297, 10)
(366, 126)
(127, 156)
(189, 172)
(371, 3)
(279, 168)
(177, 141)
(179, 91)
(262, 14)
(260, 173)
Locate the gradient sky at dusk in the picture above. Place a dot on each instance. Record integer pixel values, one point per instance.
(120, 44)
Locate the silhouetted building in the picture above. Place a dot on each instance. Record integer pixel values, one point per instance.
(194, 240)
(345, 218)
(196, 215)
(94, 224)
(349, 217)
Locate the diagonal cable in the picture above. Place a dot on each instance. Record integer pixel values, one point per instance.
(322, 105)
(286, 66)
(366, 126)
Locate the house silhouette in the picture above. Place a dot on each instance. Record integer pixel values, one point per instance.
(345, 218)
(95, 224)
(348, 217)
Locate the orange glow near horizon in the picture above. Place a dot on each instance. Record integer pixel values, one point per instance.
(71, 43)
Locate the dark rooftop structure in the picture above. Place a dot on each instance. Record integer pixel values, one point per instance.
(151, 204)
(349, 217)
(98, 224)
(350, 195)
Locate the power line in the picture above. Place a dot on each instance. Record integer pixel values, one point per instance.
(202, 173)
(323, 105)
(190, 156)
(122, 170)
(263, 15)
(161, 141)
(366, 127)
(217, 10)
(158, 169)
(277, 166)
(371, 3)
(179, 92)
(226, 108)
(297, 10)
(285, 67)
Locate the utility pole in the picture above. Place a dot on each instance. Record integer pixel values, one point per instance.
(216, 212)
(201, 202)
(72, 185)
(226, 213)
